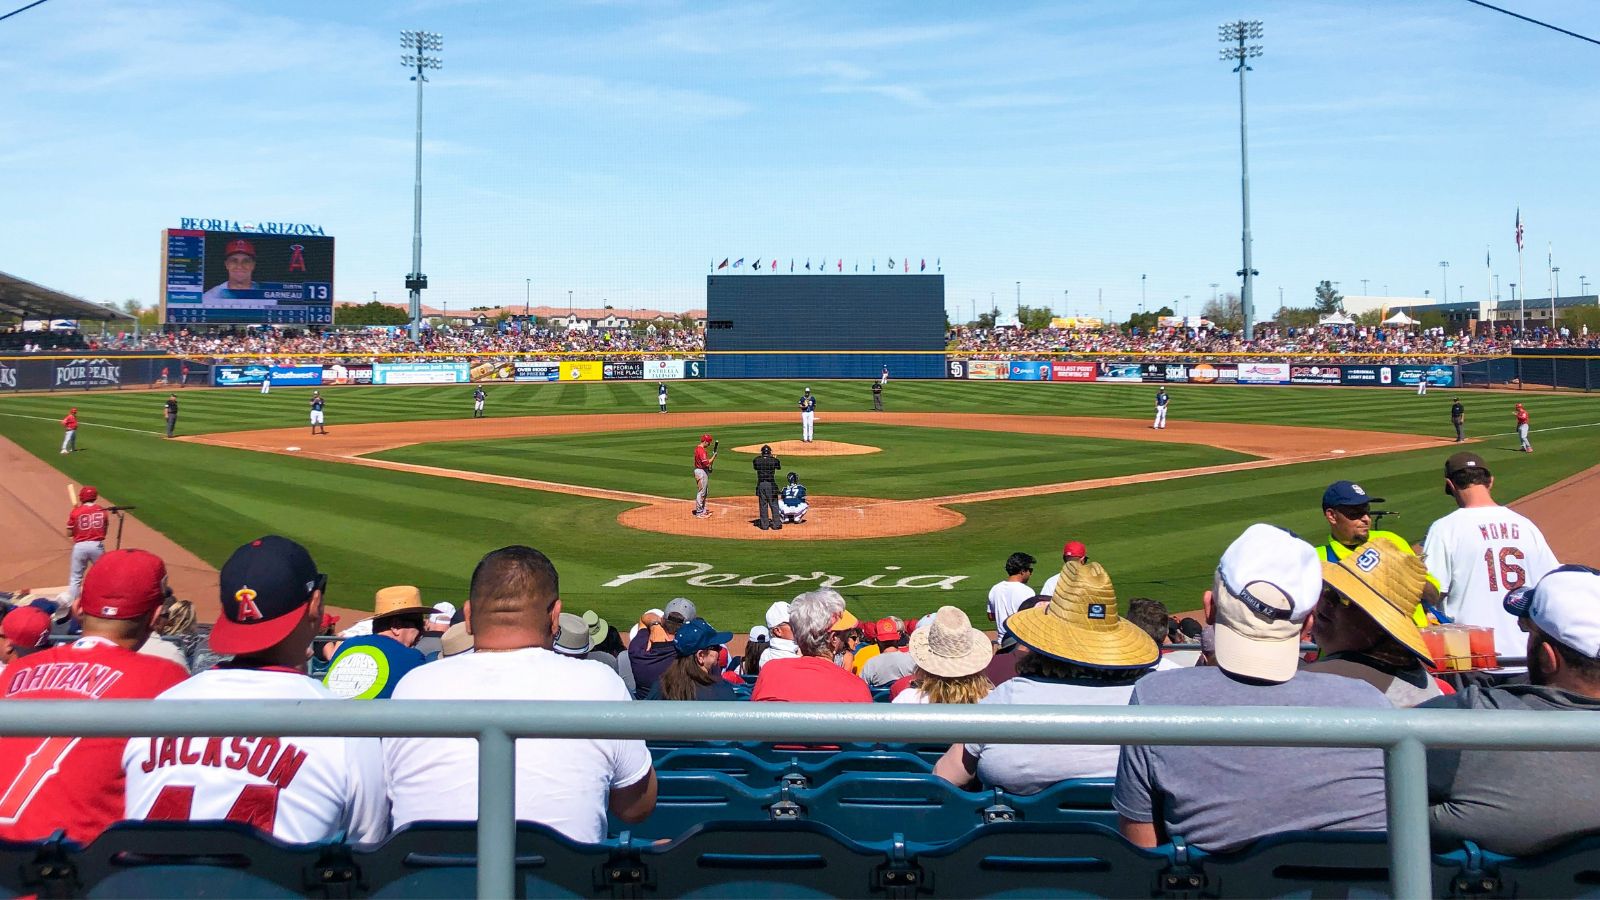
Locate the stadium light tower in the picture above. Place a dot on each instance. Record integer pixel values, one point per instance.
(418, 44)
(1234, 36)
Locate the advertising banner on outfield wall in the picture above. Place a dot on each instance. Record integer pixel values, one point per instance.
(1073, 371)
(1030, 371)
(1372, 376)
(581, 370)
(1110, 371)
(1177, 373)
(489, 370)
(955, 368)
(622, 370)
(537, 371)
(1438, 376)
(1153, 373)
(8, 376)
(1263, 373)
(1206, 373)
(93, 373)
(988, 369)
(341, 373)
(662, 369)
(1314, 375)
(420, 373)
(282, 376)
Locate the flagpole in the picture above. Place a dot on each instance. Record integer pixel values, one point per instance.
(1488, 275)
(1522, 312)
(1550, 265)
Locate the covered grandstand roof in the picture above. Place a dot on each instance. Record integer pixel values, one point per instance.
(21, 297)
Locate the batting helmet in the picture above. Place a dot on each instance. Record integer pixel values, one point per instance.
(793, 477)
(87, 494)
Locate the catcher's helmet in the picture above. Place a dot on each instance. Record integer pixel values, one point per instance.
(793, 477)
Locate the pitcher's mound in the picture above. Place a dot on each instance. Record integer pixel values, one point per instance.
(815, 448)
(830, 519)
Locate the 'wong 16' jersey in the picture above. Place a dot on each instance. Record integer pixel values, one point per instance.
(298, 789)
(1479, 554)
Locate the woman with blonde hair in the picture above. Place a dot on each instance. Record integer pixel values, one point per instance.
(950, 655)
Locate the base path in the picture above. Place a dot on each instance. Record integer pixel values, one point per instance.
(1564, 511)
(831, 518)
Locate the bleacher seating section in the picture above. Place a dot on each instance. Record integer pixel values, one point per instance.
(752, 821)
(12, 342)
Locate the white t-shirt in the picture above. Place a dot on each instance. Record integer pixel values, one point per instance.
(561, 783)
(1479, 554)
(1049, 589)
(1030, 768)
(301, 789)
(911, 695)
(779, 648)
(1004, 598)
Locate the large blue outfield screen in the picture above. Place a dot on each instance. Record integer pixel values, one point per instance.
(778, 313)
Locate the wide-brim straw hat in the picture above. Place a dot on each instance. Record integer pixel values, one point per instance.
(399, 599)
(1080, 624)
(1386, 583)
(950, 647)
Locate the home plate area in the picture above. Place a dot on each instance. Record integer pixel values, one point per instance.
(830, 519)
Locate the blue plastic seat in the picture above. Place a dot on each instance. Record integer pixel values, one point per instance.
(1026, 859)
(1570, 870)
(215, 859)
(686, 799)
(44, 868)
(1301, 864)
(1078, 800)
(772, 859)
(439, 859)
(922, 808)
(735, 762)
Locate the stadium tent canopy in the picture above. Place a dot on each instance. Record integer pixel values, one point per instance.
(24, 299)
(1337, 318)
(1400, 318)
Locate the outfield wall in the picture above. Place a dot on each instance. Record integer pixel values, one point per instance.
(99, 371)
(1177, 371)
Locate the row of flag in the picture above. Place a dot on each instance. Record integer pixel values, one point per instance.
(771, 265)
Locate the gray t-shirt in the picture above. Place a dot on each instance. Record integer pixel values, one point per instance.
(1405, 688)
(1221, 798)
(1030, 768)
(1513, 801)
(887, 668)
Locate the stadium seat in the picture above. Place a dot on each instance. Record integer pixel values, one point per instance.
(821, 771)
(1078, 800)
(1570, 870)
(41, 868)
(216, 859)
(1025, 859)
(686, 799)
(1303, 864)
(772, 859)
(439, 859)
(735, 762)
(921, 808)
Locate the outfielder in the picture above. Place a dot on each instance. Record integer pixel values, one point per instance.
(316, 413)
(86, 525)
(266, 381)
(1161, 409)
(704, 459)
(808, 413)
(1522, 429)
(1422, 385)
(661, 395)
(69, 425)
(478, 396)
(792, 505)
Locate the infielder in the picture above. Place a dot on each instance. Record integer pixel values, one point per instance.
(316, 413)
(1522, 429)
(69, 440)
(1161, 409)
(792, 505)
(86, 525)
(661, 395)
(478, 396)
(704, 459)
(808, 413)
(266, 381)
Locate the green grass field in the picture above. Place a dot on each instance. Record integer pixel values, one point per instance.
(368, 527)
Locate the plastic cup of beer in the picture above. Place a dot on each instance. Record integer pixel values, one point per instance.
(1482, 643)
(1458, 648)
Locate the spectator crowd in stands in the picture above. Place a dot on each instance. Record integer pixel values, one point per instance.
(1078, 644)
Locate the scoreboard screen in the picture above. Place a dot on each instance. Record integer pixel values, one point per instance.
(245, 278)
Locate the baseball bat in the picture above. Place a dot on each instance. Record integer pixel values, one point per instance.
(715, 445)
(72, 494)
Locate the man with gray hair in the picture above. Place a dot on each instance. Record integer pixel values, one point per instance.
(818, 619)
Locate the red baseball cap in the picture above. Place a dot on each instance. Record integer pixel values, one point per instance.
(26, 627)
(124, 584)
(869, 630)
(705, 438)
(1075, 549)
(888, 630)
(240, 245)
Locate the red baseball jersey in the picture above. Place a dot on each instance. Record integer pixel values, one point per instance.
(702, 458)
(70, 422)
(87, 522)
(1522, 417)
(70, 782)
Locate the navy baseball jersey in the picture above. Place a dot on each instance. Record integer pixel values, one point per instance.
(808, 403)
(316, 404)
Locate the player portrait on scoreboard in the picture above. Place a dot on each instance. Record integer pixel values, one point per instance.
(240, 262)
(266, 271)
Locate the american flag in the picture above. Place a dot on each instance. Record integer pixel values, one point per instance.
(1519, 228)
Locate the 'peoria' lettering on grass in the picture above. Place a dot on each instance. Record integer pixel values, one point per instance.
(694, 574)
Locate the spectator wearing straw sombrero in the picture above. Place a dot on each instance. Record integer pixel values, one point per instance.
(950, 657)
(1364, 627)
(368, 667)
(1080, 653)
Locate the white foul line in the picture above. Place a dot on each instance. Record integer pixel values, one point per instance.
(81, 424)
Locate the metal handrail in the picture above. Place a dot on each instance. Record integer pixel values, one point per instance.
(1402, 734)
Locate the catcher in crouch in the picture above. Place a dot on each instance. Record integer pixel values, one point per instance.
(792, 505)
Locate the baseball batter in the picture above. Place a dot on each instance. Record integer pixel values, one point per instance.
(69, 425)
(1522, 429)
(792, 505)
(1482, 551)
(86, 525)
(704, 459)
(661, 395)
(1161, 409)
(316, 413)
(808, 413)
(478, 396)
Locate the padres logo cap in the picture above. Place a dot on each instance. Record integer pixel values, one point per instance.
(265, 586)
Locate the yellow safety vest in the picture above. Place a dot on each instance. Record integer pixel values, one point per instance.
(1333, 551)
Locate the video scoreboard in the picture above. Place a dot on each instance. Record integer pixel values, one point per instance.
(245, 278)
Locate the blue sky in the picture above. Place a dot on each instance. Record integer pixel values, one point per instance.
(616, 148)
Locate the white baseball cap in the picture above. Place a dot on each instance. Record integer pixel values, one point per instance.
(760, 633)
(1565, 604)
(1269, 580)
(778, 614)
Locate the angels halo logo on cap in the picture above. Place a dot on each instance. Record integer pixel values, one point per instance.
(265, 588)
